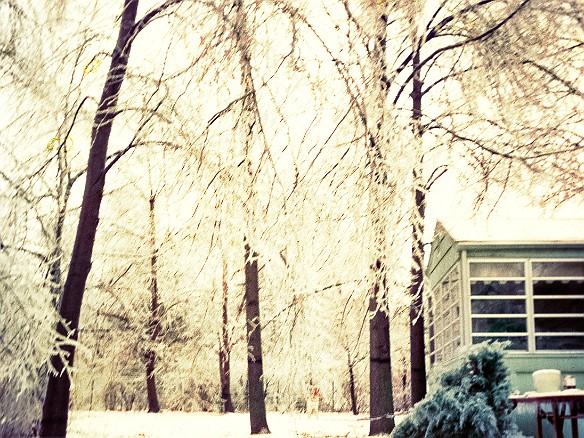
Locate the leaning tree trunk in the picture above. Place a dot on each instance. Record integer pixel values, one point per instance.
(154, 322)
(417, 351)
(56, 403)
(255, 370)
(224, 345)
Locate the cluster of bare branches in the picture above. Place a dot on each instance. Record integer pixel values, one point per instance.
(260, 154)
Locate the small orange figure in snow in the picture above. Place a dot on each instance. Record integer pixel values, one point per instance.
(313, 400)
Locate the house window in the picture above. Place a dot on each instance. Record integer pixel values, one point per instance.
(499, 303)
(558, 305)
(536, 305)
(444, 318)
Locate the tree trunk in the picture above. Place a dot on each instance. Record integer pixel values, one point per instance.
(354, 408)
(151, 392)
(380, 384)
(417, 351)
(154, 323)
(380, 379)
(224, 347)
(55, 271)
(225, 380)
(250, 118)
(255, 373)
(56, 403)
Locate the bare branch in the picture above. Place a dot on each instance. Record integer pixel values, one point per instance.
(453, 46)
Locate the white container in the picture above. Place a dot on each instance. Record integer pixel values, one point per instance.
(547, 380)
(569, 382)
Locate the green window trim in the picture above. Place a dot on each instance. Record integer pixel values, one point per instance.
(536, 304)
(443, 311)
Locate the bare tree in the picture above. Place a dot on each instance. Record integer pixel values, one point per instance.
(56, 404)
(225, 342)
(439, 62)
(255, 373)
(367, 104)
(154, 322)
(251, 124)
(413, 87)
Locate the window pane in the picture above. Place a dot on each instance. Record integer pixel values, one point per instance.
(498, 306)
(446, 298)
(559, 324)
(499, 325)
(446, 316)
(449, 282)
(543, 305)
(558, 269)
(497, 288)
(517, 342)
(496, 269)
(447, 351)
(558, 287)
(559, 342)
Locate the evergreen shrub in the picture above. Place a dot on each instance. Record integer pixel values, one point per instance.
(469, 400)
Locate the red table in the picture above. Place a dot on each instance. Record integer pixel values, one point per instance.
(559, 401)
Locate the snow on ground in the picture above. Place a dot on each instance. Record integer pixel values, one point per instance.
(95, 424)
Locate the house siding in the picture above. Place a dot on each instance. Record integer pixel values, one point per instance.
(443, 257)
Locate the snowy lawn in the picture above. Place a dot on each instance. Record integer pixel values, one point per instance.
(85, 424)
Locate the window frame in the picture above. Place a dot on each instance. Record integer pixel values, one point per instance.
(445, 337)
(529, 296)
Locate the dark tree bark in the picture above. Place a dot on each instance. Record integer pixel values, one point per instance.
(251, 121)
(352, 394)
(255, 370)
(417, 350)
(380, 379)
(380, 384)
(151, 392)
(224, 346)
(225, 380)
(154, 323)
(56, 404)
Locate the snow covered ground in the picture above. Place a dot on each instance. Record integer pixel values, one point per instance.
(94, 424)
